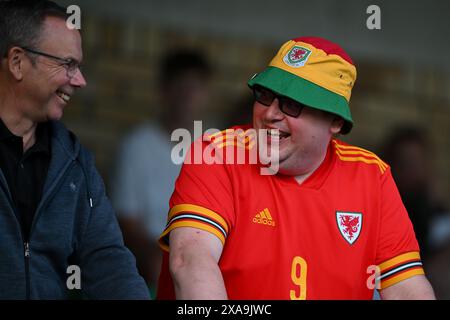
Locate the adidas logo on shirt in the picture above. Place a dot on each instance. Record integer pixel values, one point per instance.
(264, 217)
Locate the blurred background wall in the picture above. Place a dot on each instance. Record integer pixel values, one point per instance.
(403, 69)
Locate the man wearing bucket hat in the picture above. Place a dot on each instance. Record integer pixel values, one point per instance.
(329, 225)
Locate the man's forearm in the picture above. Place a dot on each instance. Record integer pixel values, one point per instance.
(198, 279)
(415, 288)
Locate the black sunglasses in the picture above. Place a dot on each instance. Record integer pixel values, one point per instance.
(287, 106)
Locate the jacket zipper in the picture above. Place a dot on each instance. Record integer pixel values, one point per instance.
(26, 243)
(27, 267)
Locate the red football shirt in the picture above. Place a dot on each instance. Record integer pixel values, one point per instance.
(318, 240)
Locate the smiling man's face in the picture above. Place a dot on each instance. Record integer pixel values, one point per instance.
(46, 85)
(303, 141)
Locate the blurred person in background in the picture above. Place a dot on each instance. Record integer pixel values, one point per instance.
(54, 212)
(240, 113)
(438, 272)
(145, 175)
(409, 152)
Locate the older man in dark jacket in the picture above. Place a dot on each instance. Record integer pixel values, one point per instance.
(54, 212)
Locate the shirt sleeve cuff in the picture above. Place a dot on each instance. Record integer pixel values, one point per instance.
(188, 215)
(400, 268)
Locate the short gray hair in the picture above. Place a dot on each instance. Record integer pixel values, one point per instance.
(21, 22)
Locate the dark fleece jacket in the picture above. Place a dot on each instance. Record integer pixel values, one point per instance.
(74, 224)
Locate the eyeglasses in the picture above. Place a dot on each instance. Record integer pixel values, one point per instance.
(71, 65)
(287, 106)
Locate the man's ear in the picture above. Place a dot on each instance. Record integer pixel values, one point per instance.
(336, 125)
(15, 62)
